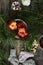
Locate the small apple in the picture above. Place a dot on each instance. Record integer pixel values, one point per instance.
(12, 25)
(20, 24)
(22, 32)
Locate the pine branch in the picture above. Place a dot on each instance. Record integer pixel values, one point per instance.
(2, 19)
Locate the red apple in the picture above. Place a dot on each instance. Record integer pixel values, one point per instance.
(12, 25)
(22, 32)
(20, 24)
